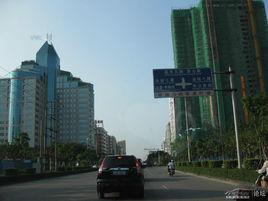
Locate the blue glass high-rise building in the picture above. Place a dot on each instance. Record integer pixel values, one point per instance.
(47, 57)
(27, 94)
(46, 103)
(76, 110)
(32, 98)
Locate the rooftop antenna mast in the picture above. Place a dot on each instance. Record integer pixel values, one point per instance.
(49, 38)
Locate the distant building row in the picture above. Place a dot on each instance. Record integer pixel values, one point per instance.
(106, 144)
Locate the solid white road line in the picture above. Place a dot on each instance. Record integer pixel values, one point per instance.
(230, 182)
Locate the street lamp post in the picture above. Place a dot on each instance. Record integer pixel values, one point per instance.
(231, 74)
(87, 142)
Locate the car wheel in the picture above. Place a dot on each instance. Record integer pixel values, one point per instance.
(141, 192)
(100, 194)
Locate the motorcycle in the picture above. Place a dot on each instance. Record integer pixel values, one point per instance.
(260, 182)
(258, 191)
(171, 171)
(255, 192)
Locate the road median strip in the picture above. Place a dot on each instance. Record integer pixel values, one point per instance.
(8, 180)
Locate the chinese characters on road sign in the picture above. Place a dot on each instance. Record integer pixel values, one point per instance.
(183, 82)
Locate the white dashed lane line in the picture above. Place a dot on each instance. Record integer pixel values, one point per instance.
(163, 186)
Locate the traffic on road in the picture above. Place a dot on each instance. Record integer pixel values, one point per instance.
(158, 185)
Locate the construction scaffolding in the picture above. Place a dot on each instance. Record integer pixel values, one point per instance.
(222, 34)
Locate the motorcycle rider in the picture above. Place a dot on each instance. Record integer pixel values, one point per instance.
(264, 171)
(171, 166)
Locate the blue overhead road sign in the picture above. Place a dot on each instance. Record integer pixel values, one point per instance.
(183, 82)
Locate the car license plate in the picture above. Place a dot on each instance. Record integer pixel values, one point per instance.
(119, 172)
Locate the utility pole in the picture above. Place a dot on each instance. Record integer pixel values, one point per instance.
(56, 112)
(40, 147)
(231, 76)
(187, 129)
(55, 151)
(53, 131)
(230, 72)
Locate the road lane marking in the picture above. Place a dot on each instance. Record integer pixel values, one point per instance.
(149, 172)
(163, 186)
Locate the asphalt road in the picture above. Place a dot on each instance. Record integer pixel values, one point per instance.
(158, 187)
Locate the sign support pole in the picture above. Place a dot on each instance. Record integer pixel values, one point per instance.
(231, 74)
(187, 129)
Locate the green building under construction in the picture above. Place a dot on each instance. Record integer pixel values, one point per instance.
(220, 34)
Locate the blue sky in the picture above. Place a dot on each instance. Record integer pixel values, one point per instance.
(113, 44)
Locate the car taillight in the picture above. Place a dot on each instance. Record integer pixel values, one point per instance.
(138, 167)
(137, 164)
(101, 168)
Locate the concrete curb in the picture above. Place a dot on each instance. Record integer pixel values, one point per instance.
(225, 181)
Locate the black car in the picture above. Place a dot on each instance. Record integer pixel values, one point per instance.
(120, 174)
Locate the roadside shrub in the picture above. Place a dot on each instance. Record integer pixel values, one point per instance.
(30, 171)
(82, 168)
(223, 173)
(196, 164)
(61, 169)
(229, 164)
(68, 168)
(189, 164)
(204, 163)
(242, 175)
(252, 163)
(214, 164)
(11, 172)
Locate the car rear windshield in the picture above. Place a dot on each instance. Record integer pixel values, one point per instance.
(119, 161)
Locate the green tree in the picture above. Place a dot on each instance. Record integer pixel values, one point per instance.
(229, 145)
(204, 144)
(249, 143)
(19, 148)
(3, 151)
(71, 153)
(179, 148)
(257, 106)
(22, 144)
(87, 157)
(158, 156)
